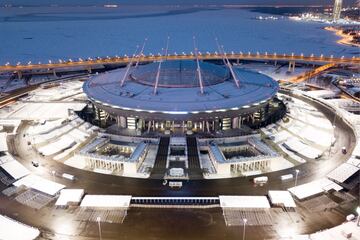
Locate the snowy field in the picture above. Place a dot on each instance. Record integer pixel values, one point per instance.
(42, 33)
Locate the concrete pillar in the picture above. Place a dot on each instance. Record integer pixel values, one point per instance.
(19, 73)
(235, 123)
(291, 67)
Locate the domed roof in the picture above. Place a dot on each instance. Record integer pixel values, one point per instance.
(180, 74)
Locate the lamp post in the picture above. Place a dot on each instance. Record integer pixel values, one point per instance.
(245, 221)
(296, 176)
(98, 219)
(358, 217)
(53, 174)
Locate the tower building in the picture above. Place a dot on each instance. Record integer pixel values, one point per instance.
(337, 10)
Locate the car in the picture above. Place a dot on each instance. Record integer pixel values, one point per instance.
(35, 163)
(343, 150)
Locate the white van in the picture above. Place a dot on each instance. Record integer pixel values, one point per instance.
(261, 180)
(286, 177)
(174, 184)
(68, 176)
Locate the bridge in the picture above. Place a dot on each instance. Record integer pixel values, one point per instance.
(91, 63)
(311, 73)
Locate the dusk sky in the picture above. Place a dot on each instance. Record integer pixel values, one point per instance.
(100, 2)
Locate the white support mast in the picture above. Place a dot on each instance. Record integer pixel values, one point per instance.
(141, 53)
(222, 55)
(128, 67)
(135, 55)
(159, 67)
(227, 63)
(198, 67)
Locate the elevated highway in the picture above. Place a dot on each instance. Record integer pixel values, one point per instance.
(312, 73)
(89, 64)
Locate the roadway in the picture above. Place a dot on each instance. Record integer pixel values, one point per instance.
(208, 56)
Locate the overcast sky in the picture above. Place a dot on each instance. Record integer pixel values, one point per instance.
(139, 2)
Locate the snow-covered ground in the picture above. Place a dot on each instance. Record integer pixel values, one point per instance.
(306, 131)
(277, 72)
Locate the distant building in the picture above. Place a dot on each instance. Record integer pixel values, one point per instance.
(337, 9)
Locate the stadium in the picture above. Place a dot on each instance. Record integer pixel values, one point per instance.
(184, 96)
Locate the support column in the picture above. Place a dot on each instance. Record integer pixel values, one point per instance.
(235, 123)
(19, 73)
(291, 67)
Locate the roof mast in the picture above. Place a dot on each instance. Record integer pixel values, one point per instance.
(227, 63)
(129, 66)
(132, 60)
(198, 67)
(159, 67)
(141, 53)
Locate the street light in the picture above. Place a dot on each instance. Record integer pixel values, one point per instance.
(98, 219)
(245, 221)
(296, 175)
(53, 173)
(358, 217)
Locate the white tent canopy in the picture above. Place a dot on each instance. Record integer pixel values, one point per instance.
(282, 198)
(15, 169)
(343, 172)
(244, 202)
(40, 184)
(69, 196)
(109, 201)
(313, 188)
(3, 143)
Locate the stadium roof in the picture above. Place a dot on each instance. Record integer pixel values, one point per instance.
(220, 94)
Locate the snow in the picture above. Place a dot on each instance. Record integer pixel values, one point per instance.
(13, 230)
(46, 111)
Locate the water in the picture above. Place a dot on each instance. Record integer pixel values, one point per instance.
(43, 33)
